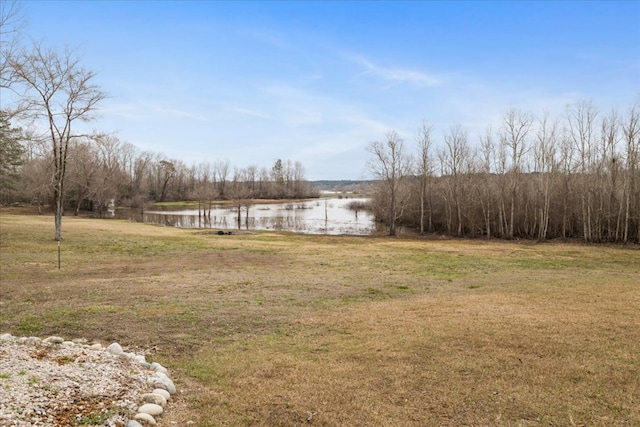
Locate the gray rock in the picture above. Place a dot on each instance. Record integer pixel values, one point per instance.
(54, 340)
(151, 409)
(154, 398)
(162, 392)
(133, 423)
(164, 383)
(158, 367)
(6, 337)
(96, 346)
(32, 340)
(145, 419)
(115, 348)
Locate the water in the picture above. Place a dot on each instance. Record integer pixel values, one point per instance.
(322, 216)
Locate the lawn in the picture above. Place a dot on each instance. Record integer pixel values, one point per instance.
(276, 329)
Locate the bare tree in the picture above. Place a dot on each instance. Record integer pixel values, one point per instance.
(631, 132)
(425, 170)
(166, 172)
(455, 163)
(545, 165)
(55, 90)
(11, 25)
(516, 126)
(581, 124)
(221, 170)
(391, 165)
(486, 167)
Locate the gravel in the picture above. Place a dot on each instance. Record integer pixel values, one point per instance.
(58, 383)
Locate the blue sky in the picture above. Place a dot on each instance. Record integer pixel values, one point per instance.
(317, 82)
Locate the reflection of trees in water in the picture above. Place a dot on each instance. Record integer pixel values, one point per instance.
(321, 217)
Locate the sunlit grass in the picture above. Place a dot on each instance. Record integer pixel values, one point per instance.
(281, 329)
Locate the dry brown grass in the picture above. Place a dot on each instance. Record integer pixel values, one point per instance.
(281, 330)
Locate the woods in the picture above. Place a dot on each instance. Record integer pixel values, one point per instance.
(574, 176)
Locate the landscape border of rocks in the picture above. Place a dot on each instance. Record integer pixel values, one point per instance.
(152, 403)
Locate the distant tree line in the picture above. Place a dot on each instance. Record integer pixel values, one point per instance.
(102, 169)
(574, 176)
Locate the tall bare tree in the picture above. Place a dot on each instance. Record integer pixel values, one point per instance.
(631, 131)
(11, 24)
(56, 91)
(545, 165)
(515, 128)
(425, 171)
(455, 160)
(581, 118)
(486, 167)
(391, 165)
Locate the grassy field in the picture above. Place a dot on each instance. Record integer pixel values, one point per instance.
(272, 329)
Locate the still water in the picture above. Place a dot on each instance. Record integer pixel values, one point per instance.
(322, 216)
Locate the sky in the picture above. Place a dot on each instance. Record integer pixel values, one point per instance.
(318, 82)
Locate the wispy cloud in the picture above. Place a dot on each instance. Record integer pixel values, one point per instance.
(396, 75)
(248, 112)
(174, 112)
(136, 110)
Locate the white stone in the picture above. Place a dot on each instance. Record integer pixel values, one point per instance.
(158, 367)
(54, 340)
(153, 398)
(96, 346)
(115, 348)
(133, 423)
(151, 409)
(6, 337)
(146, 419)
(162, 392)
(32, 340)
(166, 384)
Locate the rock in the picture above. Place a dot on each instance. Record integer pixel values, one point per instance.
(54, 340)
(133, 423)
(32, 340)
(158, 367)
(162, 392)
(96, 346)
(6, 337)
(146, 419)
(165, 383)
(154, 398)
(115, 348)
(68, 344)
(151, 409)
(139, 358)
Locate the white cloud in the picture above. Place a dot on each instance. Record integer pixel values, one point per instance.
(248, 112)
(396, 75)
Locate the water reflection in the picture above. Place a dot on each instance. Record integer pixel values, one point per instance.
(324, 216)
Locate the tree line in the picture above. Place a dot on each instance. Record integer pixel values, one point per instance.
(575, 176)
(102, 170)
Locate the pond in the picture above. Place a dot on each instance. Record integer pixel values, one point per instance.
(321, 216)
